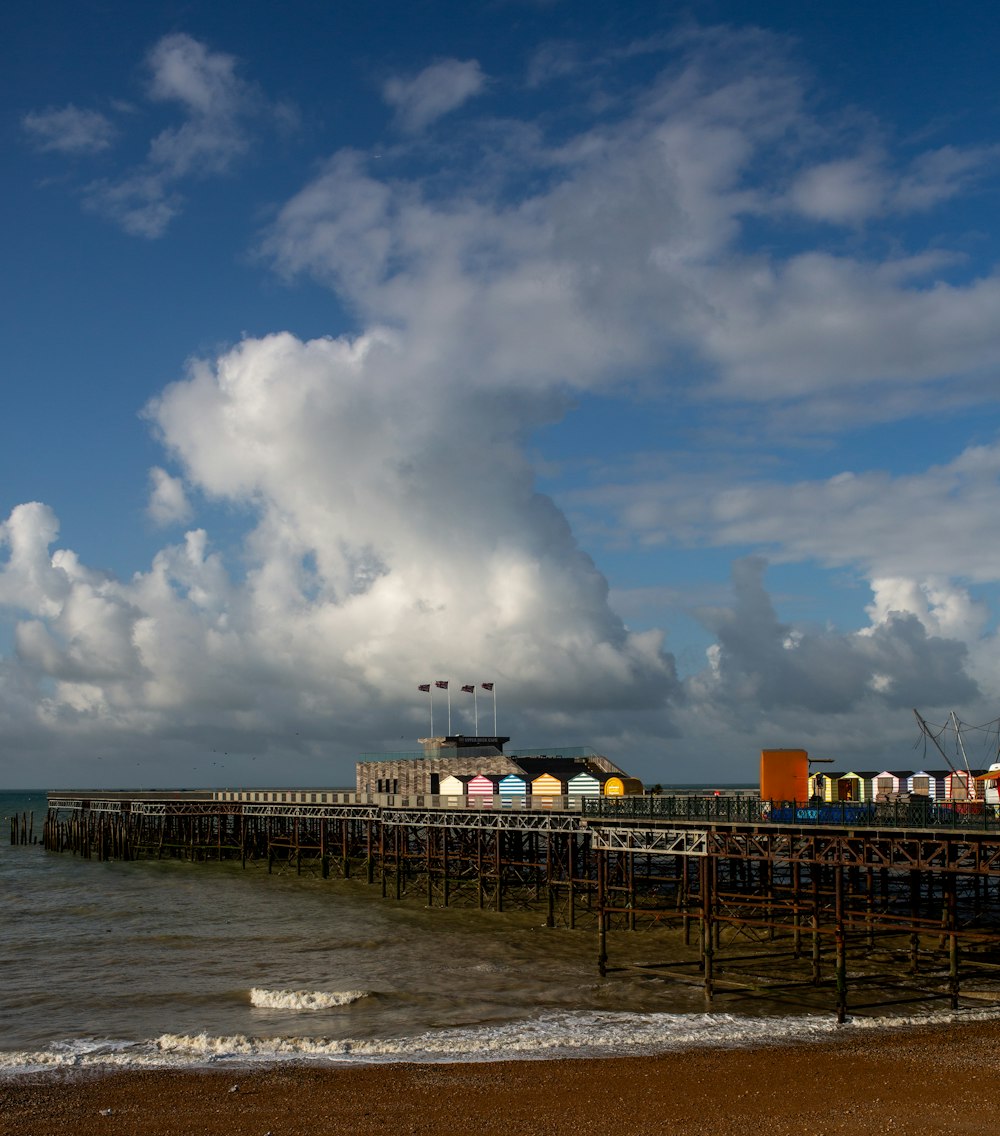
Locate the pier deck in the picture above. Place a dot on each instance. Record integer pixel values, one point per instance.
(904, 902)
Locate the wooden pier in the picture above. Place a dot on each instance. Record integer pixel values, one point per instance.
(752, 899)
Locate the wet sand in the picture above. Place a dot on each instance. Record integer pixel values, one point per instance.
(931, 1080)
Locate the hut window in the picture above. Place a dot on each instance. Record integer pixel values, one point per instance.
(284, 796)
(322, 797)
(312, 798)
(885, 785)
(922, 785)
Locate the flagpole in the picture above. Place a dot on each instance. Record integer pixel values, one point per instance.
(494, 693)
(475, 707)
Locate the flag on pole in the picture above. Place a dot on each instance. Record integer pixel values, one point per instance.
(426, 688)
(471, 689)
(442, 684)
(490, 687)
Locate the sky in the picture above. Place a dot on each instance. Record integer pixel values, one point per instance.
(641, 360)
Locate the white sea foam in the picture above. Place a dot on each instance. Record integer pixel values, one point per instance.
(565, 1034)
(304, 999)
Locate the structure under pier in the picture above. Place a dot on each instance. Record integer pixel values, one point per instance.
(843, 913)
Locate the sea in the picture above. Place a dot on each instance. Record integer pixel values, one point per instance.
(171, 965)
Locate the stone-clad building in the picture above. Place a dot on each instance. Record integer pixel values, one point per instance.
(415, 773)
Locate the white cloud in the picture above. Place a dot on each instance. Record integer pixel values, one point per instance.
(630, 252)
(764, 669)
(847, 191)
(220, 117)
(851, 191)
(168, 503)
(434, 92)
(936, 524)
(69, 130)
(396, 533)
(143, 204)
(215, 100)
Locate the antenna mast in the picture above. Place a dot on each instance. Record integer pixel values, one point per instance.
(926, 730)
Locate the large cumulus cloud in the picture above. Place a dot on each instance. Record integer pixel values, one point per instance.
(394, 532)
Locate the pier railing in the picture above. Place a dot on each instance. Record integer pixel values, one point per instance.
(751, 810)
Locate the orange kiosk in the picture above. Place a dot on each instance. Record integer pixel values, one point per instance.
(784, 775)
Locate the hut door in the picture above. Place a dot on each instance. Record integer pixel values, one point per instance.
(845, 789)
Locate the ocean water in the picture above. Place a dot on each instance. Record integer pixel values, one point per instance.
(167, 964)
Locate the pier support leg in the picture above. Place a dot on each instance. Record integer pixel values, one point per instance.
(707, 929)
(951, 885)
(841, 940)
(602, 928)
(797, 914)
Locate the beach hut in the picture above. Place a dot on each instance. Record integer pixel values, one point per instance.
(891, 782)
(824, 785)
(854, 786)
(963, 786)
(452, 791)
(623, 787)
(583, 785)
(929, 783)
(480, 791)
(512, 791)
(544, 789)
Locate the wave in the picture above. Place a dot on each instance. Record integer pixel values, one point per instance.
(304, 999)
(550, 1035)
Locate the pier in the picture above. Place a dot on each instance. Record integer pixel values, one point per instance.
(845, 907)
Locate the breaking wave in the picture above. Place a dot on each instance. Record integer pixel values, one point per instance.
(567, 1034)
(304, 999)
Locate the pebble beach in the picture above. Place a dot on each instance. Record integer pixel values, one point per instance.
(915, 1081)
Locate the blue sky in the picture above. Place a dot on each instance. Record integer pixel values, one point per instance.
(643, 362)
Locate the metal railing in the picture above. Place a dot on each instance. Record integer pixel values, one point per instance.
(751, 810)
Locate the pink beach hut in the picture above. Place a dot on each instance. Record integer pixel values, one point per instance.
(480, 791)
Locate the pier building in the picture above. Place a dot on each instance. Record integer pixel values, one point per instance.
(421, 772)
